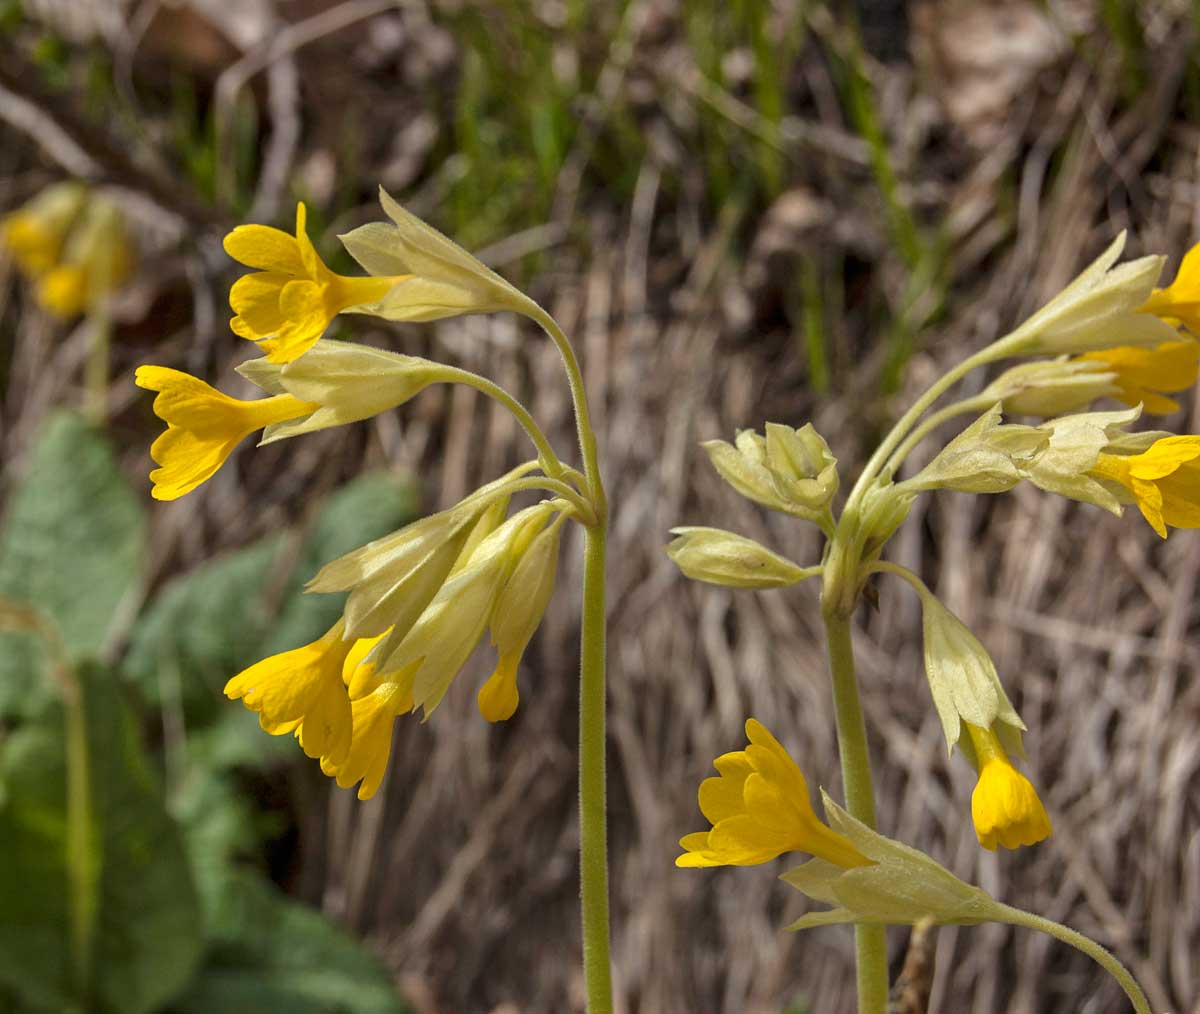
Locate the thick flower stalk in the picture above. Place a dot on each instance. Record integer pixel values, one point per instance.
(1111, 334)
(420, 601)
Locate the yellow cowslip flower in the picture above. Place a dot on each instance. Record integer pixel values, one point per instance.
(1180, 301)
(288, 302)
(1005, 806)
(1164, 481)
(1140, 374)
(34, 234)
(203, 426)
(371, 741)
(759, 808)
(303, 691)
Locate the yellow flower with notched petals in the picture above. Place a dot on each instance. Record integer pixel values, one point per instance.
(1180, 301)
(203, 427)
(1163, 480)
(759, 808)
(371, 740)
(302, 691)
(1005, 806)
(289, 301)
(1140, 374)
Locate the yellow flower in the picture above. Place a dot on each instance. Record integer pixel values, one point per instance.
(34, 234)
(371, 740)
(302, 691)
(289, 301)
(1163, 480)
(759, 808)
(1141, 373)
(203, 427)
(1005, 806)
(1180, 301)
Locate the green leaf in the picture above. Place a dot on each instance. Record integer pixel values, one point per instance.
(269, 953)
(202, 628)
(71, 548)
(141, 934)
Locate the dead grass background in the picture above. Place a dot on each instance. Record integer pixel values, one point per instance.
(1013, 130)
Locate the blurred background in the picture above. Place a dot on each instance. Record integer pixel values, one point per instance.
(743, 211)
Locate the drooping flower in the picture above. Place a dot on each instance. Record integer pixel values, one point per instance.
(449, 629)
(287, 304)
(519, 610)
(203, 427)
(1004, 806)
(759, 808)
(1164, 481)
(1143, 375)
(719, 557)
(1180, 301)
(303, 691)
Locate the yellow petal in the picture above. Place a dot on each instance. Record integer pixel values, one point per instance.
(498, 697)
(255, 299)
(1006, 808)
(265, 248)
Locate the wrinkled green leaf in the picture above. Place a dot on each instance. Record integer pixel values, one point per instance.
(71, 548)
(146, 931)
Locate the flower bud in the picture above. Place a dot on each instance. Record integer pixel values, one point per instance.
(720, 557)
(790, 470)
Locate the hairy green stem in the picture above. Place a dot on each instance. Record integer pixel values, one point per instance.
(546, 456)
(583, 419)
(1100, 955)
(593, 821)
(884, 451)
(870, 941)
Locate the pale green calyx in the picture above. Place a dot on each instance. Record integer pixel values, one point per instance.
(1098, 310)
(349, 383)
(1050, 387)
(986, 457)
(1075, 444)
(789, 470)
(901, 887)
(438, 278)
(963, 678)
(720, 557)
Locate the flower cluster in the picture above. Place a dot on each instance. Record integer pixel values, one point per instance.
(72, 244)
(1113, 333)
(418, 601)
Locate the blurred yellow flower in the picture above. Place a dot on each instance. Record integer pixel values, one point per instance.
(302, 691)
(203, 427)
(759, 808)
(34, 234)
(1164, 481)
(1005, 806)
(289, 301)
(1141, 373)
(1180, 301)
